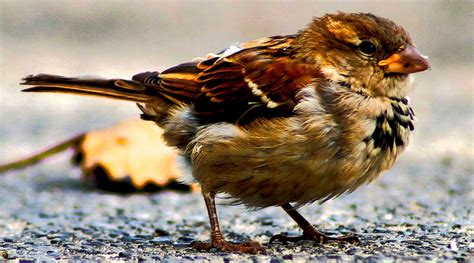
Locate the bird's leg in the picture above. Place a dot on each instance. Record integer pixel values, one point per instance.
(217, 240)
(309, 231)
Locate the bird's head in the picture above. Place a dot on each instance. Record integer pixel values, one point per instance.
(371, 54)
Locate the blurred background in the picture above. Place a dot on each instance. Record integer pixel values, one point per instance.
(121, 38)
(431, 183)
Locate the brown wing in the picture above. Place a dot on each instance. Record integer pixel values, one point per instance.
(256, 79)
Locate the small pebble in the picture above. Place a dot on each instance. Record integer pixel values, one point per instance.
(3, 254)
(162, 240)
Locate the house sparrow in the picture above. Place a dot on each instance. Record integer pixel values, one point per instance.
(280, 121)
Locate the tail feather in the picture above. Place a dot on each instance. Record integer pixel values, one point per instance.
(112, 88)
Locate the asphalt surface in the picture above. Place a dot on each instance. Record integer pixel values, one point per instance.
(46, 213)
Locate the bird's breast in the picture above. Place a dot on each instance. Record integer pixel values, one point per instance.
(325, 149)
(358, 138)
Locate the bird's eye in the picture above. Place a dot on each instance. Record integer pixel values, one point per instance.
(367, 48)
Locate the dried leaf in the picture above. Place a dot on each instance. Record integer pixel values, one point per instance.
(127, 157)
(132, 150)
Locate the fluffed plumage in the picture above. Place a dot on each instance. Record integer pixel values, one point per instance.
(283, 119)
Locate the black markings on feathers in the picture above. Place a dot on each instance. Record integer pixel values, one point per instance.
(388, 129)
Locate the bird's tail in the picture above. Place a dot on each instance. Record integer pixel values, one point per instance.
(121, 89)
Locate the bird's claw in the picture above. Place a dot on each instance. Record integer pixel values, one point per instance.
(222, 245)
(316, 236)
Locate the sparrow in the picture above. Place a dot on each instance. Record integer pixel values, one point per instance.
(280, 121)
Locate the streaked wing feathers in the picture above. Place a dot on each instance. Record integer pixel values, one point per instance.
(261, 75)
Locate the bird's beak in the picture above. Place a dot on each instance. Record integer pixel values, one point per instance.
(407, 61)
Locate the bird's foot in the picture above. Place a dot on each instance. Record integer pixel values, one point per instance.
(311, 233)
(222, 245)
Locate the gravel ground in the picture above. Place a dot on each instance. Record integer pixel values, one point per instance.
(419, 210)
(410, 214)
